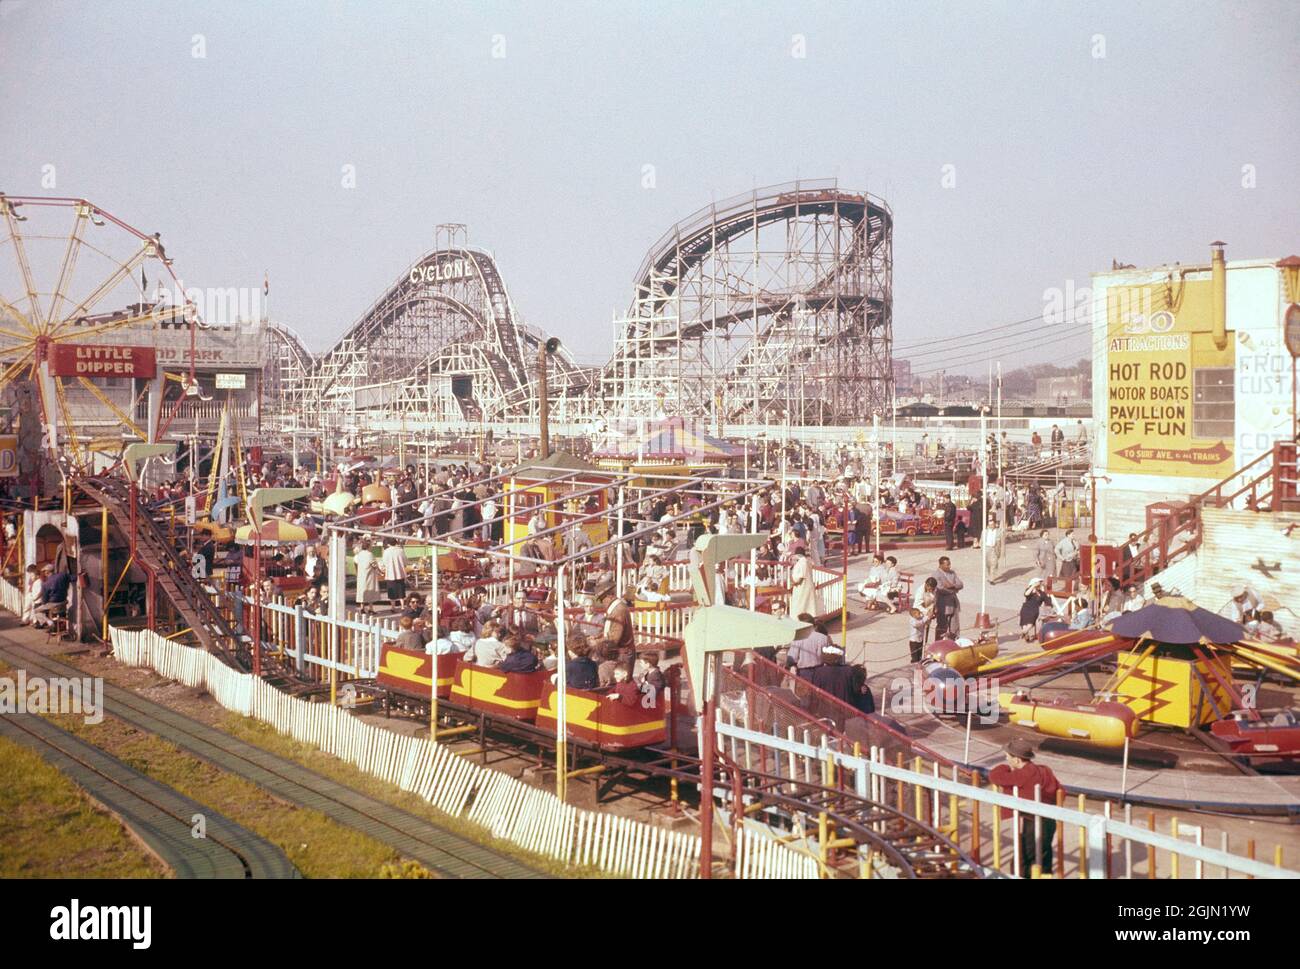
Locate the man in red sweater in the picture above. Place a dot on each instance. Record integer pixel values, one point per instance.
(1020, 775)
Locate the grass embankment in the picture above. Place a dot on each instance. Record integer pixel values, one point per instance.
(42, 835)
(262, 735)
(317, 845)
(50, 829)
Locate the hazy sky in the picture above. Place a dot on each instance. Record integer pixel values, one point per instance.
(1063, 160)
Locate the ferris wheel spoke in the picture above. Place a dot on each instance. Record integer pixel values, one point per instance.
(22, 337)
(117, 411)
(19, 317)
(73, 442)
(122, 271)
(65, 270)
(20, 255)
(14, 369)
(101, 328)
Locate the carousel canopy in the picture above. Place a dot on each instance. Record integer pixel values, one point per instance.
(276, 531)
(1177, 621)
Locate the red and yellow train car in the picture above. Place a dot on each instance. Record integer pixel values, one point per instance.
(610, 724)
(488, 690)
(408, 671)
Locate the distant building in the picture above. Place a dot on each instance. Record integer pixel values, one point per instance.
(1191, 379)
(1061, 388)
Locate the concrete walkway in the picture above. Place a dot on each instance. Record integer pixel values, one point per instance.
(879, 641)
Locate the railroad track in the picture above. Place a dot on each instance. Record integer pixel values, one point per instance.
(439, 850)
(158, 815)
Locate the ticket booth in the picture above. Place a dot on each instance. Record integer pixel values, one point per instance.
(545, 480)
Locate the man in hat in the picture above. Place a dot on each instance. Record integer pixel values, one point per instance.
(1021, 777)
(1244, 600)
(618, 621)
(831, 675)
(54, 594)
(806, 652)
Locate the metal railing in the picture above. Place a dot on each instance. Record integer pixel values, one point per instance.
(1104, 845)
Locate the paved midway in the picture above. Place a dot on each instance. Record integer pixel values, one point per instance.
(879, 641)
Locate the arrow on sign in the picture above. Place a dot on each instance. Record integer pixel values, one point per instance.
(1137, 453)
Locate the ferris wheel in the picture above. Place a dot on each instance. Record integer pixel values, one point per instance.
(72, 275)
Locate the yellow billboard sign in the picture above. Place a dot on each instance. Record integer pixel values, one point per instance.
(8, 455)
(1162, 366)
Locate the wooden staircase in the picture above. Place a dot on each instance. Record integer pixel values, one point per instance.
(154, 552)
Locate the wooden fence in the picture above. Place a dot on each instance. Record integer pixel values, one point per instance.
(527, 817)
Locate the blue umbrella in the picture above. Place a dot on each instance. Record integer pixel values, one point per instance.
(1177, 621)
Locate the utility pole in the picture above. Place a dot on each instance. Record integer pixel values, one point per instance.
(543, 401)
(982, 619)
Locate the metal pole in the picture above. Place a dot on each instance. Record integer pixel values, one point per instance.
(844, 591)
(893, 431)
(1001, 449)
(707, 742)
(257, 598)
(618, 549)
(543, 405)
(1123, 775)
(561, 699)
(878, 504)
(103, 563)
(338, 587)
(984, 500)
(507, 528)
(433, 673)
(753, 555)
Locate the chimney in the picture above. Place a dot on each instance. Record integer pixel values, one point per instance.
(1219, 282)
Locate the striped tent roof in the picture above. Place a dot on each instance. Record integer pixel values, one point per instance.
(673, 439)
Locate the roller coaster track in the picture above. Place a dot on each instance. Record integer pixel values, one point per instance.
(689, 242)
(155, 552)
(413, 837)
(158, 815)
(807, 318)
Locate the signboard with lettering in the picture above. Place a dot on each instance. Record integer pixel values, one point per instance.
(231, 381)
(1158, 336)
(442, 268)
(8, 455)
(87, 360)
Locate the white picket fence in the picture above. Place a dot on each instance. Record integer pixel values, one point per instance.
(11, 597)
(759, 855)
(528, 817)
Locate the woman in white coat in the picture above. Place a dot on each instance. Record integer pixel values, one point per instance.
(367, 580)
(802, 598)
